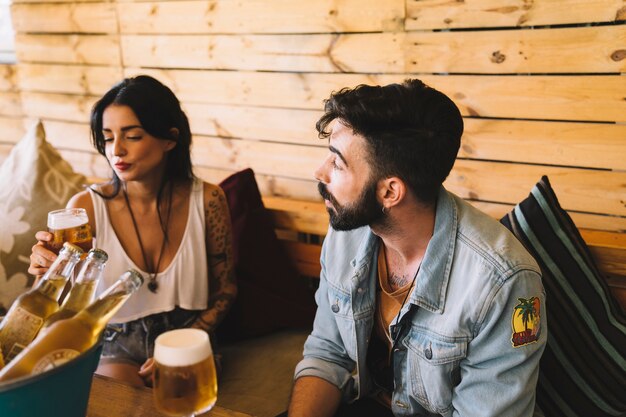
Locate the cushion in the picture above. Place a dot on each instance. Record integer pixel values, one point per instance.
(582, 369)
(271, 296)
(34, 179)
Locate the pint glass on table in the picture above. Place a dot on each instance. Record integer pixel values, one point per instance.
(185, 382)
(69, 225)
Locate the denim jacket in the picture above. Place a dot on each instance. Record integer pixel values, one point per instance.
(470, 336)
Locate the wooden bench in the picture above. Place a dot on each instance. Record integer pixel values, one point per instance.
(301, 225)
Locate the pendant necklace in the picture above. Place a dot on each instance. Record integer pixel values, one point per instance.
(153, 285)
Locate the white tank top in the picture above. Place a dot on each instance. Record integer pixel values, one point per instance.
(185, 281)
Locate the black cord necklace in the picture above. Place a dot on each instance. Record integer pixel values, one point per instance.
(397, 332)
(153, 285)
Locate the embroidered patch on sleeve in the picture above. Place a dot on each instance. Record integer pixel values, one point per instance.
(526, 321)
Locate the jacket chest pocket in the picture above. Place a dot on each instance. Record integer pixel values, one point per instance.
(433, 366)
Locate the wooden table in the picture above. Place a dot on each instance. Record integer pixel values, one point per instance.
(111, 398)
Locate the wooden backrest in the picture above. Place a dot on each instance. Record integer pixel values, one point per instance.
(302, 225)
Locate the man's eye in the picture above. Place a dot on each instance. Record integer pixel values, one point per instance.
(133, 137)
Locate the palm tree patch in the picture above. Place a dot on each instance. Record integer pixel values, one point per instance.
(526, 319)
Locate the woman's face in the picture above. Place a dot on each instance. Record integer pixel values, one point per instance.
(132, 152)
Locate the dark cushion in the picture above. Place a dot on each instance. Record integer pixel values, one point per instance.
(583, 369)
(271, 294)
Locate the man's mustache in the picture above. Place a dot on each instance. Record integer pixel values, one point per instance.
(326, 195)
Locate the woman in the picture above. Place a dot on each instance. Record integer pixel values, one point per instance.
(156, 216)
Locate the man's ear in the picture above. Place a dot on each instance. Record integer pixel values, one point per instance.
(391, 191)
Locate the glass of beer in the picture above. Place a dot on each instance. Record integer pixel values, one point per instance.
(69, 225)
(184, 379)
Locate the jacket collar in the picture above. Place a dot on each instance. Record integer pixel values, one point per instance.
(432, 279)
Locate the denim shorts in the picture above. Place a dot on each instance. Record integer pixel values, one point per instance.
(134, 341)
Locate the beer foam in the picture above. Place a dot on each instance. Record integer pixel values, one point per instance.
(66, 219)
(182, 347)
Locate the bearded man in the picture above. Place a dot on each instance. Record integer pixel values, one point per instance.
(426, 306)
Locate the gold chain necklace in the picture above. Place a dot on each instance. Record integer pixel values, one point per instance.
(153, 285)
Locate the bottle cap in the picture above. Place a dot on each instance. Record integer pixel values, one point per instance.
(135, 277)
(71, 248)
(98, 254)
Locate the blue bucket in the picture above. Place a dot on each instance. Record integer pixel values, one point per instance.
(59, 392)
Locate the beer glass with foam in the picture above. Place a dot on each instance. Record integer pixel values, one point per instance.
(185, 382)
(69, 225)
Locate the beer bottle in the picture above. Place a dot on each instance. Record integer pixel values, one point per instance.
(31, 309)
(84, 287)
(66, 339)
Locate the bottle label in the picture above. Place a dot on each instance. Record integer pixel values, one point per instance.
(20, 330)
(54, 359)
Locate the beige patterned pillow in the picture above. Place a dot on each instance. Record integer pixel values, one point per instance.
(34, 179)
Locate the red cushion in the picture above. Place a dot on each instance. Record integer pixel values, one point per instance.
(271, 294)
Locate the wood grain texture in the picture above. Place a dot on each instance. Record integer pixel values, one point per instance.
(261, 16)
(11, 104)
(68, 49)
(552, 143)
(73, 108)
(562, 50)
(442, 14)
(255, 123)
(68, 79)
(11, 129)
(589, 145)
(8, 77)
(109, 397)
(586, 98)
(64, 18)
(591, 191)
(264, 157)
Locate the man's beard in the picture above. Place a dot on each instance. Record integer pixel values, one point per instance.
(366, 210)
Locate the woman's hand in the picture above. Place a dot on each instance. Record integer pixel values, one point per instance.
(41, 258)
(146, 371)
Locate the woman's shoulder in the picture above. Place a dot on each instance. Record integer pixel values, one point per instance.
(213, 197)
(81, 200)
(212, 191)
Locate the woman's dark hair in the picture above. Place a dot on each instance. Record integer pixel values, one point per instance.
(158, 111)
(413, 131)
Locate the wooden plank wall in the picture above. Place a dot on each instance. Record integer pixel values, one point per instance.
(541, 84)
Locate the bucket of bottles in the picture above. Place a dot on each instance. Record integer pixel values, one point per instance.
(58, 392)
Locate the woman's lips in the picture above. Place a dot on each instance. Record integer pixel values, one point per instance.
(122, 166)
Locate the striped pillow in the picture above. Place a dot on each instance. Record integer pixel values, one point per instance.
(583, 369)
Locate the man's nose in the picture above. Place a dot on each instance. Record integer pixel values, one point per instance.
(321, 173)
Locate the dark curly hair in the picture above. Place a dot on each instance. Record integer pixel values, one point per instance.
(413, 131)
